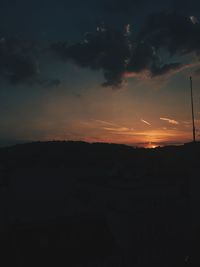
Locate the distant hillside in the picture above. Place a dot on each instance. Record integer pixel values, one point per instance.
(81, 153)
(142, 203)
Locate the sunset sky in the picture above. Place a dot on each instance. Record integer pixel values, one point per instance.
(99, 71)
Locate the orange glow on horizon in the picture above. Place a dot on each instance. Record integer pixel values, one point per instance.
(147, 139)
(150, 145)
(100, 131)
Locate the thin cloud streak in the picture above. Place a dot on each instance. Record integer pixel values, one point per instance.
(171, 121)
(106, 122)
(146, 122)
(120, 129)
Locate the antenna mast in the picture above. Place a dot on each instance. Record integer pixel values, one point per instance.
(192, 105)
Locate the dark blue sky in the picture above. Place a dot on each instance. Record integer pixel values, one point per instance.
(61, 19)
(53, 62)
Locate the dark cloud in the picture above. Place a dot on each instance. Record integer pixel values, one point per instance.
(105, 50)
(118, 54)
(177, 33)
(166, 68)
(145, 58)
(17, 61)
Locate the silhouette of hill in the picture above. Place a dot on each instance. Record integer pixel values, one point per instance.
(99, 204)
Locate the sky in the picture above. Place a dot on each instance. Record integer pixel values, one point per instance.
(99, 71)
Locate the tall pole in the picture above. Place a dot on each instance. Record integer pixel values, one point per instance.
(192, 105)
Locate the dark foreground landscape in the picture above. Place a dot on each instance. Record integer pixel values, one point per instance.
(80, 204)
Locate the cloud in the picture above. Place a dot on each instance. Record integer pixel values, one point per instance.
(106, 123)
(157, 50)
(115, 54)
(118, 130)
(167, 68)
(146, 122)
(17, 61)
(20, 63)
(176, 33)
(106, 50)
(120, 56)
(110, 126)
(194, 19)
(171, 121)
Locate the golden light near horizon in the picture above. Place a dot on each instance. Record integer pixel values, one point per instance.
(151, 145)
(125, 133)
